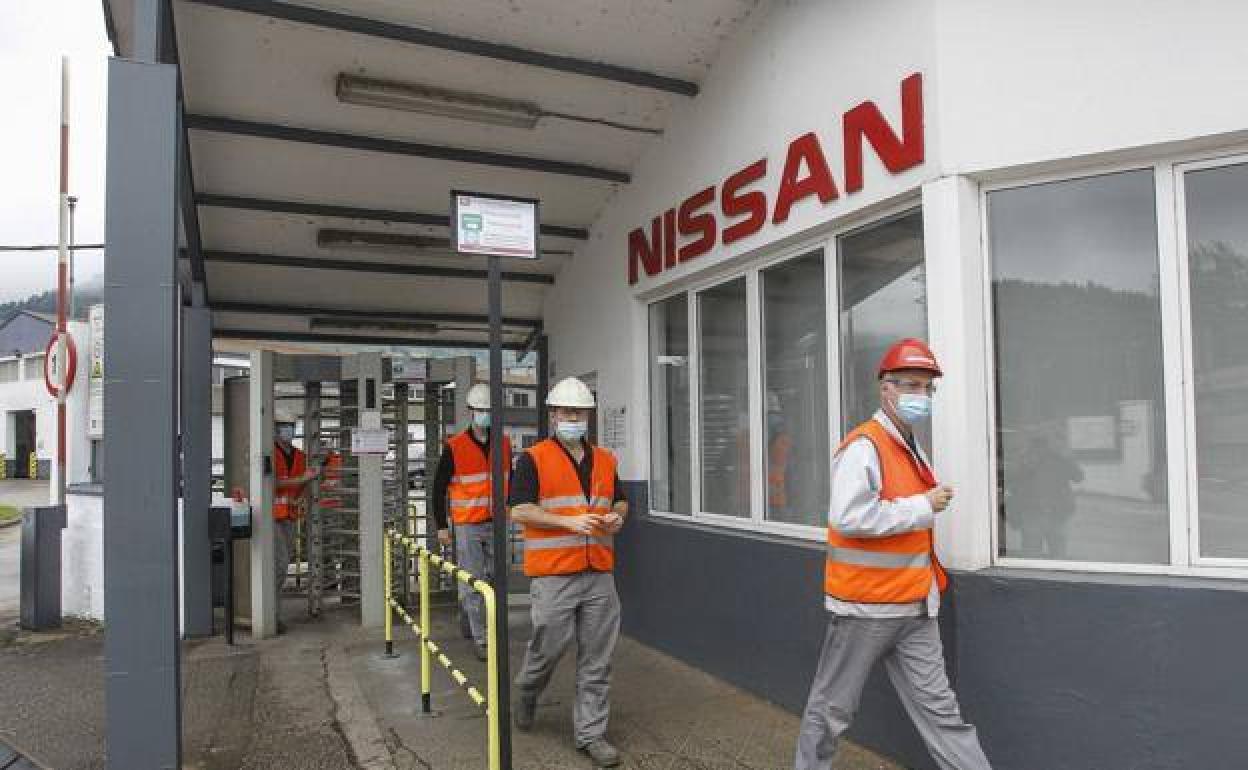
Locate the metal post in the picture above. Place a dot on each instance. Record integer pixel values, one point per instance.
(262, 488)
(386, 556)
(371, 493)
(62, 288)
(144, 725)
(502, 561)
(543, 385)
(426, 675)
(73, 205)
(196, 415)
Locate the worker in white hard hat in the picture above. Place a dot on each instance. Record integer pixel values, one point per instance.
(568, 496)
(463, 483)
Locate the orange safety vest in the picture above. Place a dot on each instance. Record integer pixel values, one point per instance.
(332, 482)
(897, 569)
(286, 503)
(470, 488)
(557, 551)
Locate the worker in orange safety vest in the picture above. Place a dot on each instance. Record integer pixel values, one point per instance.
(882, 581)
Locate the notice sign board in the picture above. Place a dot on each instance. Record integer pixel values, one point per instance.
(494, 225)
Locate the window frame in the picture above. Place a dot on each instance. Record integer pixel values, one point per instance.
(1174, 306)
(826, 241)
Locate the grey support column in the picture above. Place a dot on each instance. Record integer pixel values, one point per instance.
(263, 583)
(372, 503)
(543, 385)
(196, 469)
(140, 496)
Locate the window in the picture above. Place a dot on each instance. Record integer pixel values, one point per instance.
(724, 399)
(10, 371)
(669, 406)
(1217, 274)
(1080, 431)
(745, 404)
(883, 299)
(34, 366)
(796, 390)
(520, 399)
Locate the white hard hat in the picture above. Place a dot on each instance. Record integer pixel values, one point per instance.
(571, 392)
(479, 396)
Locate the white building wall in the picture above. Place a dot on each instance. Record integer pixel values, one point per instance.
(30, 394)
(1010, 87)
(794, 68)
(1025, 82)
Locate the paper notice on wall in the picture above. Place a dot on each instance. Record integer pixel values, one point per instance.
(370, 441)
(615, 428)
(95, 374)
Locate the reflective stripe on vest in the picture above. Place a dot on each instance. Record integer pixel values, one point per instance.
(897, 569)
(286, 497)
(469, 492)
(556, 552)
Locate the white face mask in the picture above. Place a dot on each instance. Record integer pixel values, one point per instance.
(481, 419)
(286, 432)
(571, 430)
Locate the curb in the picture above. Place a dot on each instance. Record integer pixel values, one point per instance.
(10, 523)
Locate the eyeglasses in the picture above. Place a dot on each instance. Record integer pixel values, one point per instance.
(912, 386)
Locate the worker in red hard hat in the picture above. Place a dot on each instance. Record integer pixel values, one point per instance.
(882, 581)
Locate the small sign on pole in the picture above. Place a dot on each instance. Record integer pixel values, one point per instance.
(494, 225)
(60, 363)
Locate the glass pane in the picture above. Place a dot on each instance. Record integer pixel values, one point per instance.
(725, 430)
(1080, 407)
(669, 406)
(883, 299)
(1217, 233)
(795, 381)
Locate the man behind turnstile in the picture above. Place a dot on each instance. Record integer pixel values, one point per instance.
(567, 494)
(290, 468)
(882, 580)
(463, 483)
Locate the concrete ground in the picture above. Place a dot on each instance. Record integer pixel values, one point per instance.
(323, 696)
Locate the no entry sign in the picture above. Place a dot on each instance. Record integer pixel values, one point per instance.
(60, 363)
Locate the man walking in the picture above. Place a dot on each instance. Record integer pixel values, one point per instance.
(292, 476)
(464, 481)
(882, 580)
(566, 493)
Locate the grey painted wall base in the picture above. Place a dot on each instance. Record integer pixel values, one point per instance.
(1056, 670)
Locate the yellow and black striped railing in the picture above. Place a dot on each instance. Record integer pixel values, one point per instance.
(429, 649)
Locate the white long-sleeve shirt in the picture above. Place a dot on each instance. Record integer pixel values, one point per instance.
(858, 511)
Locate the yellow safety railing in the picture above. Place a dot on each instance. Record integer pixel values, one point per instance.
(4, 466)
(429, 649)
(34, 466)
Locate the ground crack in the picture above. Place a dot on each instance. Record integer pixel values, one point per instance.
(334, 723)
(403, 747)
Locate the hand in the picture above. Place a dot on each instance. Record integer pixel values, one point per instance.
(586, 525)
(612, 523)
(939, 497)
(444, 536)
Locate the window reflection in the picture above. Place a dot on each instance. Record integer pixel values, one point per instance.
(1080, 428)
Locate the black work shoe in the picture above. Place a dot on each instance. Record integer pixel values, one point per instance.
(603, 753)
(524, 712)
(483, 652)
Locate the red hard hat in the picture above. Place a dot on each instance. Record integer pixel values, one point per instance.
(909, 353)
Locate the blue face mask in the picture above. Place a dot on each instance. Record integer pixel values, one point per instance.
(481, 419)
(914, 407)
(571, 430)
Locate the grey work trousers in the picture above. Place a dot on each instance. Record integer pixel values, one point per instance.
(583, 607)
(913, 658)
(474, 551)
(283, 550)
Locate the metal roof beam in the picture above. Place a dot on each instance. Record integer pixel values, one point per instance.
(236, 127)
(402, 315)
(428, 38)
(349, 339)
(384, 268)
(351, 212)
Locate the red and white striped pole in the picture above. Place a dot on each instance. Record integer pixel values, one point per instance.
(62, 276)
